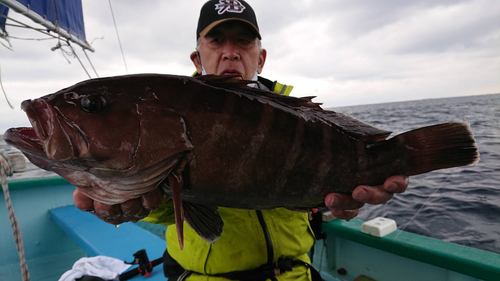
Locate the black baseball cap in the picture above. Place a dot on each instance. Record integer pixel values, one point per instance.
(215, 12)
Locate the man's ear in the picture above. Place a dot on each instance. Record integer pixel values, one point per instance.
(262, 60)
(195, 59)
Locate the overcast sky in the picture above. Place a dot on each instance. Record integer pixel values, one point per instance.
(343, 52)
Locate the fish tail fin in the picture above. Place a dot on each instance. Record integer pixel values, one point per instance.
(439, 147)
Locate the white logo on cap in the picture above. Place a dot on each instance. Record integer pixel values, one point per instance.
(232, 6)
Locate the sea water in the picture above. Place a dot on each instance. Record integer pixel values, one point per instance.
(460, 205)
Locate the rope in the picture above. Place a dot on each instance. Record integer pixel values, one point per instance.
(30, 39)
(76, 56)
(117, 35)
(58, 46)
(43, 31)
(5, 171)
(4, 35)
(4, 93)
(90, 62)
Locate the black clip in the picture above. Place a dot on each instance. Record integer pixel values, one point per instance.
(145, 266)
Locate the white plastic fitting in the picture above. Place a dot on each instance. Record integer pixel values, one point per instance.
(379, 227)
(327, 216)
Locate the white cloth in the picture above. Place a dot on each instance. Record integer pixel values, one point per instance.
(101, 266)
(254, 78)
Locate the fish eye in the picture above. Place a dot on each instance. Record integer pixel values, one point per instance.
(93, 103)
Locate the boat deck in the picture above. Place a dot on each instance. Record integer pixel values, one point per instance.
(45, 268)
(349, 254)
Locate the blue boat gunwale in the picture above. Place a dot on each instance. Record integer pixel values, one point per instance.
(463, 259)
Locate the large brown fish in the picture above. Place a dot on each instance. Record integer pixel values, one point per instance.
(219, 143)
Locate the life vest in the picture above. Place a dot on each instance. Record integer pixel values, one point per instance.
(242, 245)
(275, 86)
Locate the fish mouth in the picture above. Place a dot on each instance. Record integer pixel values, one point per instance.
(30, 140)
(26, 139)
(51, 136)
(38, 113)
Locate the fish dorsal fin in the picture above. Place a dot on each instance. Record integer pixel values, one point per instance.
(304, 102)
(348, 125)
(228, 82)
(354, 127)
(204, 220)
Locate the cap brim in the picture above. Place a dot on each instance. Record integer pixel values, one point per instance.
(207, 29)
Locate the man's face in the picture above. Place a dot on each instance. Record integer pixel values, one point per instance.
(230, 48)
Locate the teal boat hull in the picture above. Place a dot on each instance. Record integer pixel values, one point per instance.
(346, 254)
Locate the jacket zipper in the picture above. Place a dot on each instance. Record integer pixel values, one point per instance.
(269, 244)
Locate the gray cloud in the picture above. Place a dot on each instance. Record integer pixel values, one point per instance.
(345, 52)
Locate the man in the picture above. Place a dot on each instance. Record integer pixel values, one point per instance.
(253, 242)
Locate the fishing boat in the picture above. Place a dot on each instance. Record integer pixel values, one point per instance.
(56, 234)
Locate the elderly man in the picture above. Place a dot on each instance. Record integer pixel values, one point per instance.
(255, 244)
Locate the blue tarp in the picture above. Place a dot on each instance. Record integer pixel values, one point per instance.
(3, 11)
(67, 14)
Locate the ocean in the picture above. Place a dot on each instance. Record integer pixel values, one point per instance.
(459, 205)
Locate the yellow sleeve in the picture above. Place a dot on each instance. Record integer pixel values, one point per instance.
(282, 88)
(164, 214)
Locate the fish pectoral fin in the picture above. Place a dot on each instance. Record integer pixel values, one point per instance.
(176, 183)
(205, 220)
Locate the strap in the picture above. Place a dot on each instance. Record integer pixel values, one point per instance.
(264, 272)
(172, 269)
(316, 223)
(315, 276)
(138, 270)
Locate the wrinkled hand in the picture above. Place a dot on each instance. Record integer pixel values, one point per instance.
(132, 210)
(346, 207)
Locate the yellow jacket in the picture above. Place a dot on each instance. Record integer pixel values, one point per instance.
(242, 245)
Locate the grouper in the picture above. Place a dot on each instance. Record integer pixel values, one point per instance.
(214, 141)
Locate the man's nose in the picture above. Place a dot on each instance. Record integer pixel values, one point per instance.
(230, 51)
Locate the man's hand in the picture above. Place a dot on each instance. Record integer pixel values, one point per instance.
(132, 210)
(347, 206)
